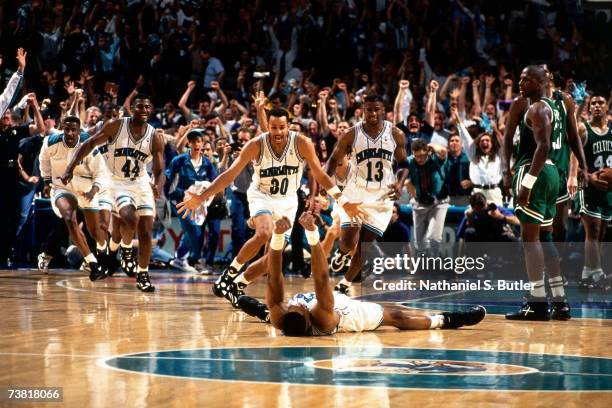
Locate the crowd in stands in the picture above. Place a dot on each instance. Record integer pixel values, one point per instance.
(447, 70)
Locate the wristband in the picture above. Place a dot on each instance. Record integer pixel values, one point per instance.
(334, 191)
(342, 200)
(277, 242)
(312, 237)
(528, 181)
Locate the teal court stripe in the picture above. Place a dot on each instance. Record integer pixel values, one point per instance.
(460, 370)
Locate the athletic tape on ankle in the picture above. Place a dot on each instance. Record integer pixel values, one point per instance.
(528, 181)
(277, 242)
(312, 237)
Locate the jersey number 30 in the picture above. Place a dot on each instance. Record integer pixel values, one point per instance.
(378, 169)
(130, 171)
(282, 186)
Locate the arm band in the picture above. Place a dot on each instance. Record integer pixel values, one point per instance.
(342, 200)
(334, 191)
(528, 181)
(312, 237)
(277, 242)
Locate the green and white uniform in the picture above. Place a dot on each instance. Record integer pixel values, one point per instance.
(598, 154)
(541, 208)
(560, 156)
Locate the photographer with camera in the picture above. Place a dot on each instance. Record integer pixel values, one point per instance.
(486, 222)
(426, 184)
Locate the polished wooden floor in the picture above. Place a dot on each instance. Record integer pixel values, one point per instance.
(56, 328)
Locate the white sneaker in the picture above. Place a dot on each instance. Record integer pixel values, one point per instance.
(43, 262)
(183, 265)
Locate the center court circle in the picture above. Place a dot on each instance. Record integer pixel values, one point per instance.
(390, 367)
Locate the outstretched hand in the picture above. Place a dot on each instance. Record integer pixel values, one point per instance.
(355, 213)
(189, 205)
(282, 225)
(307, 220)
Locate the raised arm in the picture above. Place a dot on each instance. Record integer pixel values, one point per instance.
(39, 124)
(431, 102)
(260, 102)
(275, 290)
(323, 313)
(184, 98)
(476, 104)
(11, 88)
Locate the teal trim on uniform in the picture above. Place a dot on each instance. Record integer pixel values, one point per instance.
(90, 209)
(83, 136)
(55, 139)
(373, 229)
(260, 212)
(65, 194)
(400, 368)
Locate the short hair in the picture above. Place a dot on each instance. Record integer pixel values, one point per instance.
(297, 122)
(278, 113)
(478, 199)
(245, 129)
(418, 144)
(210, 116)
(194, 134)
(373, 98)
(72, 119)
(294, 325)
(140, 96)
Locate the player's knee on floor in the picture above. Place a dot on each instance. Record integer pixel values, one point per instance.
(548, 246)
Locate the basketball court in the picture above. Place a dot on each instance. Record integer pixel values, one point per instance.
(106, 344)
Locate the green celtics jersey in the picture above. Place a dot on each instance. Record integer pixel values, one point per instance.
(598, 149)
(527, 144)
(560, 152)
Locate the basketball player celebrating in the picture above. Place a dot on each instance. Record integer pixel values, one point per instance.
(132, 143)
(81, 192)
(278, 158)
(374, 143)
(326, 311)
(536, 189)
(595, 200)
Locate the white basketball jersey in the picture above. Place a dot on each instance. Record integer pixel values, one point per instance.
(354, 314)
(372, 158)
(278, 176)
(127, 158)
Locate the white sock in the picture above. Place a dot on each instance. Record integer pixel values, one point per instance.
(142, 270)
(436, 321)
(538, 289)
(236, 265)
(90, 258)
(597, 274)
(344, 282)
(101, 247)
(556, 287)
(124, 245)
(586, 272)
(241, 279)
(113, 246)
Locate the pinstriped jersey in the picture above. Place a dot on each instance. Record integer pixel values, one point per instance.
(278, 176)
(127, 157)
(372, 158)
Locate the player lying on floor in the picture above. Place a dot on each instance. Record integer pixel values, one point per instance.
(326, 311)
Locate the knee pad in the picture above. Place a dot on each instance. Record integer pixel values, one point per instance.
(548, 246)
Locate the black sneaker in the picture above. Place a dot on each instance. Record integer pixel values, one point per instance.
(340, 261)
(254, 307)
(560, 309)
(96, 272)
(102, 257)
(128, 261)
(222, 283)
(586, 283)
(342, 288)
(112, 262)
(143, 283)
(454, 320)
(536, 309)
(233, 292)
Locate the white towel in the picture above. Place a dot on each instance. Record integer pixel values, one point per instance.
(196, 189)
